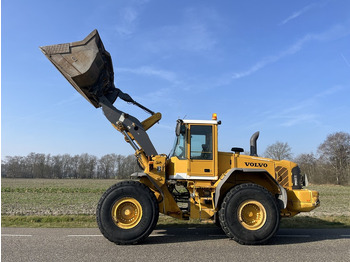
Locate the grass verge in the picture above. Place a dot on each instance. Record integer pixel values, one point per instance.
(89, 221)
(60, 221)
(72, 203)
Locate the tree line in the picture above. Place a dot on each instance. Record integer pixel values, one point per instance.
(36, 165)
(331, 164)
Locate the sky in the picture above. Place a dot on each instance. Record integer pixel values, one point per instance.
(278, 67)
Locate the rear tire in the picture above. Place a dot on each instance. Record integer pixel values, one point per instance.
(249, 214)
(127, 213)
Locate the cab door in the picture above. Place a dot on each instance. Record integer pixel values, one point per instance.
(201, 151)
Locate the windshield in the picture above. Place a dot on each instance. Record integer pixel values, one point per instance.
(179, 147)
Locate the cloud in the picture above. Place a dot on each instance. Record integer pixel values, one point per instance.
(335, 32)
(305, 9)
(257, 66)
(301, 113)
(128, 21)
(189, 36)
(150, 71)
(128, 16)
(295, 114)
(299, 119)
(161, 95)
(345, 60)
(194, 31)
(298, 13)
(329, 91)
(198, 38)
(70, 100)
(272, 59)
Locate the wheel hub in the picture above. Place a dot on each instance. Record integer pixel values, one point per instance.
(126, 212)
(251, 214)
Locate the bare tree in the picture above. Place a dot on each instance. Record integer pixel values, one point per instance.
(36, 165)
(86, 166)
(107, 166)
(3, 168)
(335, 151)
(57, 166)
(128, 166)
(308, 164)
(15, 166)
(278, 151)
(74, 164)
(39, 165)
(67, 169)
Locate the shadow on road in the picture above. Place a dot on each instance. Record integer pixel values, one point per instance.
(284, 236)
(184, 234)
(310, 222)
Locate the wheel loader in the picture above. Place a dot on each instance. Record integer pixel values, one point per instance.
(246, 195)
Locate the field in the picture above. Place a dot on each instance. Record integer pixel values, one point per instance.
(72, 203)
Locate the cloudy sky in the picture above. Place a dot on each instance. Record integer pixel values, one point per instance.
(280, 67)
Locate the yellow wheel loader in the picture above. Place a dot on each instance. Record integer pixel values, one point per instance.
(246, 195)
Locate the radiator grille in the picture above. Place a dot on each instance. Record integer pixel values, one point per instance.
(282, 176)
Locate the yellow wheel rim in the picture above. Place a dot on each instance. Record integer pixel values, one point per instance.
(251, 214)
(127, 212)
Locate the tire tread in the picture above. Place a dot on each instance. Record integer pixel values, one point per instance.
(227, 198)
(118, 186)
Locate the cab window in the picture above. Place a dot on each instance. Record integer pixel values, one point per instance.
(201, 142)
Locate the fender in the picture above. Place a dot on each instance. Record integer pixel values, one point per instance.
(167, 205)
(142, 174)
(282, 198)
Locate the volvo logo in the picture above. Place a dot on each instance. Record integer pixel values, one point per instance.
(255, 164)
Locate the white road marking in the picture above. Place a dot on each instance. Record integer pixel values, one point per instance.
(161, 235)
(293, 235)
(12, 235)
(84, 235)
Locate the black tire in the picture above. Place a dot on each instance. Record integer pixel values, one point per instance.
(249, 214)
(127, 213)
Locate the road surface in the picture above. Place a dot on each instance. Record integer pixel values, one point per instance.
(172, 244)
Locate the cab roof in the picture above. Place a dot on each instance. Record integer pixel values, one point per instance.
(211, 122)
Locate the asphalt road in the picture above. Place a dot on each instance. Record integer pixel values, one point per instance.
(172, 244)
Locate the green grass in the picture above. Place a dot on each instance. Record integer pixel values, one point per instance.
(89, 221)
(60, 221)
(38, 197)
(80, 221)
(72, 203)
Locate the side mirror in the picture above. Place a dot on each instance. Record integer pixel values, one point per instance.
(178, 127)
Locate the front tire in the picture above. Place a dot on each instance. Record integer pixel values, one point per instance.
(249, 214)
(127, 213)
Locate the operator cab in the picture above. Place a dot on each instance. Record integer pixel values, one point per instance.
(194, 154)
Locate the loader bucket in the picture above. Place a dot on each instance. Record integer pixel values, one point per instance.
(87, 66)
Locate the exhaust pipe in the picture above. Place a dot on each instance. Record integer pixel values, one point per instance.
(253, 146)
